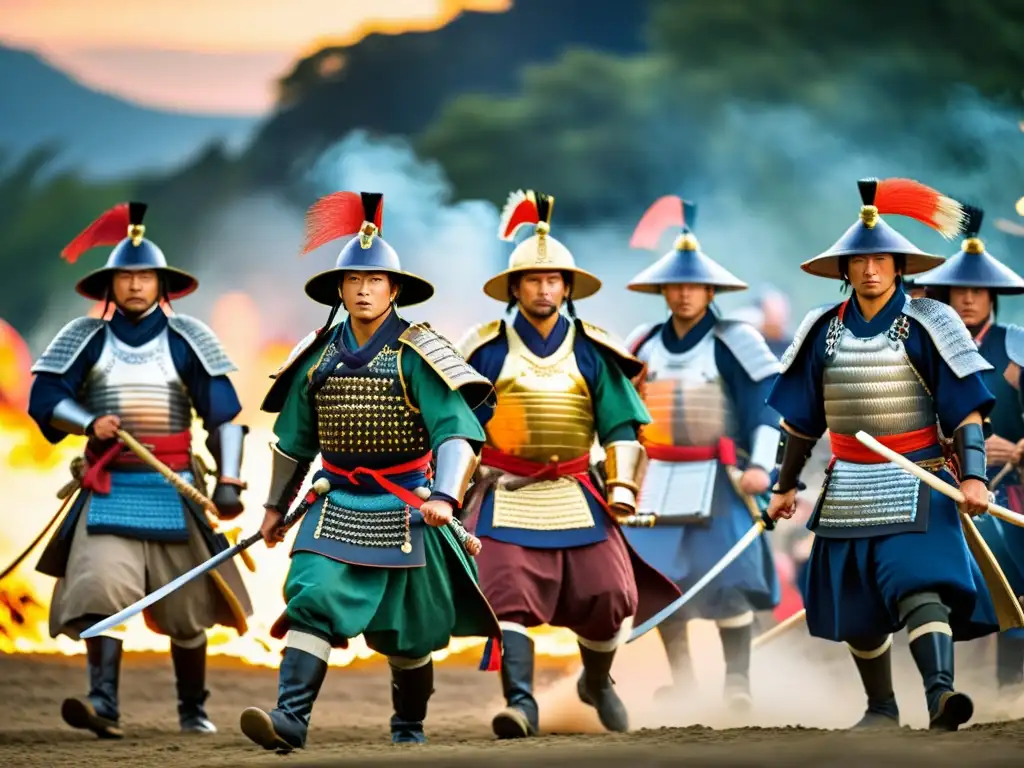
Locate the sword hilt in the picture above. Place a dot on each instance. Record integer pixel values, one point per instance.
(469, 542)
(319, 488)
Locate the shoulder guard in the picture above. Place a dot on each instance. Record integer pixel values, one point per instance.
(748, 347)
(204, 343)
(479, 335)
(640, 335)
(949, 335)
(67, 345)
(441, 355)
(1015, 344)
(802, 332)
(273, 402)
(629, 364)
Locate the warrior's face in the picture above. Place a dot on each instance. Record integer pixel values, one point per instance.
(540, 294)
(688, 301)
(367, 295)
(135, 290)
(974, 305)
(872, 275)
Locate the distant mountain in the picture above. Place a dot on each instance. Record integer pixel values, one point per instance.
(101, 135)
(397, 84)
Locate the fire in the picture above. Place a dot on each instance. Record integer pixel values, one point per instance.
(32, 470)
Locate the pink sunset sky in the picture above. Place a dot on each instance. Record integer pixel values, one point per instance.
(216, 56)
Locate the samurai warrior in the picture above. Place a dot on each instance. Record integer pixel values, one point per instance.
(889, 551)
(552, 549)
(380, 400)
(711, 445)
(128, 532)
(971, 281)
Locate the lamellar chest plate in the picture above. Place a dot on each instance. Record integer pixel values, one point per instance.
(686, 397)
(140, 385)
(544, 408)
(365, 412)
(870, 384)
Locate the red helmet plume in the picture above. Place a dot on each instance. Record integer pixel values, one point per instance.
(109, 229)
(340, 214)
(664, 212)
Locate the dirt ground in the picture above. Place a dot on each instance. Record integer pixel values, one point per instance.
(806, 693)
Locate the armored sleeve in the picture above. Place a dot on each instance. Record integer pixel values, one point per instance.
(50, 389)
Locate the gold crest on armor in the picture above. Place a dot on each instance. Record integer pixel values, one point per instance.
(544, 414)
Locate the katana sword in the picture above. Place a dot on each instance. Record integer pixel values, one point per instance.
(320, 487)
(737, 549)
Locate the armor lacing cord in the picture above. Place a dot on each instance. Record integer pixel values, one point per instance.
(735, 622)
(924, 612)
(511, 626)
(311, 644)
(190, 642)
(405, 663)
(606, 646)
(873, 653)
(932, 626)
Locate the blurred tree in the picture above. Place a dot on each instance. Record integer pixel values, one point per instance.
(775, 50)
(397, 84)
(873, 74)
(577, 131)
(39, 214)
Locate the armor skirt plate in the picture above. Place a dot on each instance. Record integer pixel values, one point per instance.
(363, 529)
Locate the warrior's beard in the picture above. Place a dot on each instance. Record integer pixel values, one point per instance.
(540, 313)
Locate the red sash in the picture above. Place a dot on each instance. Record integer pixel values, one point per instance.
(724, 450)
(173, 450)
(380, 476)
(849, 448)
(515, 465)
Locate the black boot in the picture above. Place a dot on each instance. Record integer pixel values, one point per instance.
(298, 684)
(736, 649)
(876, 675)
(933, 654)
(677, 649)
(520, 717)
(98, 712)
(410, 691)
(190, 680)
(596, 689)
(1009, 662)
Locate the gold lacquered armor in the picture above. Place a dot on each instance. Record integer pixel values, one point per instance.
(544, 411)
(369, 413)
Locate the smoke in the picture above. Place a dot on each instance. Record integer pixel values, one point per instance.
(761, 235)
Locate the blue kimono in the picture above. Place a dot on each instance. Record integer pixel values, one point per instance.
(1000, 346)
(857, 575)
(686, 551)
